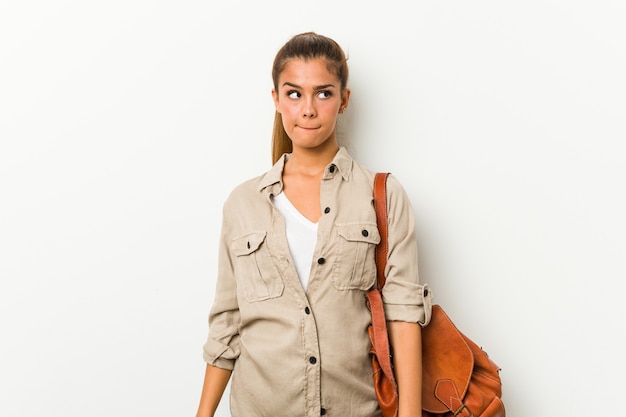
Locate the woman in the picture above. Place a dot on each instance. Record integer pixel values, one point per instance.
(289, 319)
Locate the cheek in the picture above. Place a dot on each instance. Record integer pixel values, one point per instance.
(286, 112)
(331, 111)
(283, 107)
(287, 118)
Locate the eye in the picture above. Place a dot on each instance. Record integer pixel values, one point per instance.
(293, 94)
(324, 94)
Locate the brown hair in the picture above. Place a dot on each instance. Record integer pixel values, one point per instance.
(306, 46)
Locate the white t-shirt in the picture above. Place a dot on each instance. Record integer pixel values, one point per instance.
(301, 237)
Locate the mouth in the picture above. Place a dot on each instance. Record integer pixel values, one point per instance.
(308, 128)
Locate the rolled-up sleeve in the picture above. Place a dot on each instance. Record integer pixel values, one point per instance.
(404, 297)
(222, 345)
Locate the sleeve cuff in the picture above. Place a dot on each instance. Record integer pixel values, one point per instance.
(416, 308)
(219, 355)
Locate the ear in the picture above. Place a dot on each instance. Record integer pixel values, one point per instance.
(345, 98)
(275, 98)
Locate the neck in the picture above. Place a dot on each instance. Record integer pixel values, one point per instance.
(311, 161)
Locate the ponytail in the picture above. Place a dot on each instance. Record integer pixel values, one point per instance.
(280, 141)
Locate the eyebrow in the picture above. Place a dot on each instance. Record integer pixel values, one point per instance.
(319, 87)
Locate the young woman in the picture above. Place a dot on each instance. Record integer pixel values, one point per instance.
(289, 319)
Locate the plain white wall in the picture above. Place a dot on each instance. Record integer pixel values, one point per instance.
(124, 125)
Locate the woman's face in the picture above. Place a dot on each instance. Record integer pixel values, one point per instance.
(309, 97)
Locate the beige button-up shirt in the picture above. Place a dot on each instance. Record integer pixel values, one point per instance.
(296, 353)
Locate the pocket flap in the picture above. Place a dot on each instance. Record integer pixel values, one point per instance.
(247, 244)
(360, 232)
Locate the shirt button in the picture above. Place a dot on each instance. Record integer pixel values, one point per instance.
(331, 169)
(365, 233)
(322, 412)
(327, 210)
(307, 310)
(313, 360)
(321, 261)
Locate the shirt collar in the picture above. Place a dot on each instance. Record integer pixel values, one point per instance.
(273, 178)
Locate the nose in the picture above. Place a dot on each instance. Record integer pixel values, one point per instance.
(309, 109)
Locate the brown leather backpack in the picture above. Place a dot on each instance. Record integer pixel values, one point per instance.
(458, 377)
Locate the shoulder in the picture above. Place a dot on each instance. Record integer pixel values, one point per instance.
(363, 174)
(397, 198)
(244, 193)
(394, 187)
(399, 206)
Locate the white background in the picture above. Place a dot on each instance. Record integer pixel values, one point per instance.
(125, 124)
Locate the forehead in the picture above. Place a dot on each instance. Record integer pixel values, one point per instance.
(309, 71)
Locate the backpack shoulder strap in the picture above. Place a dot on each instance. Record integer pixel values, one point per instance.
(380, 206)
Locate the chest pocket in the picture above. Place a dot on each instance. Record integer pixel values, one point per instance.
(356, 266)
(255, 271)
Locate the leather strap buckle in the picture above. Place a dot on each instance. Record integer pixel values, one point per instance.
(460, 410)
